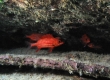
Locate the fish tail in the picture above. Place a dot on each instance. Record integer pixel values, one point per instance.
(33, 44)
(30, 44)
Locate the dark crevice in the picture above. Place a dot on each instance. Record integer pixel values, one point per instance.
(72, 40)
(29, 69)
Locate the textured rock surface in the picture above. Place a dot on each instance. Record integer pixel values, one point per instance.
(68, 19)
(84, 63)
(39, 76)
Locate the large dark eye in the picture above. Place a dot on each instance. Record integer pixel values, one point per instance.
(59, 41)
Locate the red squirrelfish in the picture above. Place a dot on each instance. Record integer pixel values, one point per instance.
(85, 39)
(49, 42)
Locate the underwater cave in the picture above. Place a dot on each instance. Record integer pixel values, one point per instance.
(82, 27)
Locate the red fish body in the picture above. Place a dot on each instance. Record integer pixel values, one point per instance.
(87, 42)
(47, 43)
(91, 45)
(85, 39)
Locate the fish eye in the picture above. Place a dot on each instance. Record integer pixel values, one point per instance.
(59, 41)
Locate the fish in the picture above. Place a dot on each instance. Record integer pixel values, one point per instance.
(91, 45)
(34, 36)
(49, 42)
(85, 39)
(37, 36)
(87, 42)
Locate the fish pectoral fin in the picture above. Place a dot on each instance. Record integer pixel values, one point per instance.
(50, 49)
